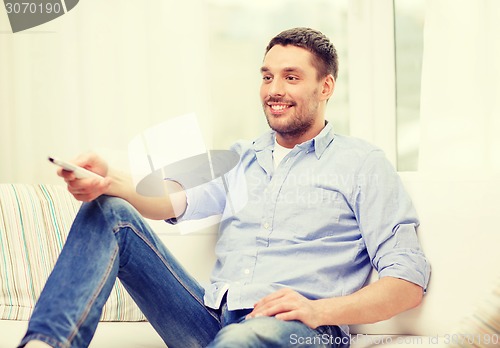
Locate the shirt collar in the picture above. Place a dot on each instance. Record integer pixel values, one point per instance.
(318, 144)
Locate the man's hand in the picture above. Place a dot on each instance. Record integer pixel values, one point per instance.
(114, 183)
(87, 189)
(287, 305)
(377, 301)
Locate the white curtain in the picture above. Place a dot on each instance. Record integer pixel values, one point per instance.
(460, 96)
(94, 78)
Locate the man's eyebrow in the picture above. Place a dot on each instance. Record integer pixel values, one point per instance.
(265, 69)
(292, 69)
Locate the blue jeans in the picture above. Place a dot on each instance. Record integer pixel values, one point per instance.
(109, 239)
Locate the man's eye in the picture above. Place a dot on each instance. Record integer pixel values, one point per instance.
(266, 78)
(292, 78)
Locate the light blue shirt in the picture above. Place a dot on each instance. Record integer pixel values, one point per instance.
(333, 208)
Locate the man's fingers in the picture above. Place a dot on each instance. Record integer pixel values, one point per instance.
(286, 305)
(88, 189)
(272, 297)
(66, 174)
(273, 306)
(287, 316)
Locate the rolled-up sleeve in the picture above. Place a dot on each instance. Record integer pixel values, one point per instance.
(203, 201)
(210, 198)
(388, 222)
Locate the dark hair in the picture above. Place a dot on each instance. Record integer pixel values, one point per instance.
(325, 56)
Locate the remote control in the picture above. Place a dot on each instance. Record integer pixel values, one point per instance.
(80, 172)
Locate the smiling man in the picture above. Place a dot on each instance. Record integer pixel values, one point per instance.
(314, 212)
(294, 93)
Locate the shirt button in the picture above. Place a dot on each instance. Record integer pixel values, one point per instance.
(246, 271)
(266, 225)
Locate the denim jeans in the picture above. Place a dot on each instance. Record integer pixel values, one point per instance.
(109, 239)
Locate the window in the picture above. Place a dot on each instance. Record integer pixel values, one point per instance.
(409, 23)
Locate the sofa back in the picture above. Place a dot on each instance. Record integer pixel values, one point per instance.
(460, 237)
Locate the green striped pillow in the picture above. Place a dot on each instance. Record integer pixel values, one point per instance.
(34, 222)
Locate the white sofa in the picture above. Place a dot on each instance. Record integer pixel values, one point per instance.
(458, 232)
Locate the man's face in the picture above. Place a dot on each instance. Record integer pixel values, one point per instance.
(290, 90)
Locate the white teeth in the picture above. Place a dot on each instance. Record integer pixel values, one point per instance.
(278, 107)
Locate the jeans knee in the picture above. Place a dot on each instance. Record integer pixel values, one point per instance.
(104, 214)
(108, 209)
(235, 335)
(114, 206)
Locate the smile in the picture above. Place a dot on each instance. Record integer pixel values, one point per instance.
(279, 107)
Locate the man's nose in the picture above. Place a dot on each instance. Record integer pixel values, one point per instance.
(276, 88)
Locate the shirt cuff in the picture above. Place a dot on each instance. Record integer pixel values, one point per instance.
(411, 266)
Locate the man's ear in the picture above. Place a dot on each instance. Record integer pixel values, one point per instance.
(328, 87)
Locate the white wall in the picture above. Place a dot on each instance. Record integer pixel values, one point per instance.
(99, 75)
(94, 78)
(105, 71)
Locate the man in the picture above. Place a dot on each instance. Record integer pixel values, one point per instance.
(306, 214)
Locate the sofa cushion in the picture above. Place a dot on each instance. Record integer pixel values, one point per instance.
(34, 222)
(482, 327)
